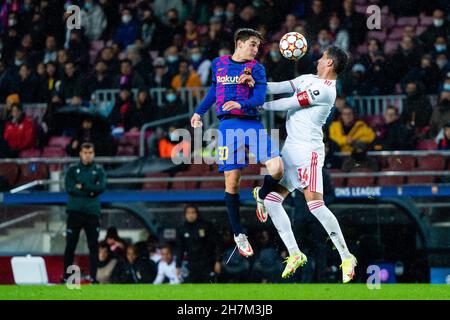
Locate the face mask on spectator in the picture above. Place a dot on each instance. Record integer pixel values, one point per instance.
(172, 58)
(333, 27)
(446, 87)
(171, 97)
(441, 63)
(274, 54)
(12, 22)
(218, 13)
(440, 47)
(229, 14)
(88, 6)
(18, 62)
(126, 19)
(196, 57)
(438, 22)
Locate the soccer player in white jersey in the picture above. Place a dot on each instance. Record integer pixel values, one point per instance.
(303, 156)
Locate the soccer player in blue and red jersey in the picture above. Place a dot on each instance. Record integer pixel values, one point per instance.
(237, 109)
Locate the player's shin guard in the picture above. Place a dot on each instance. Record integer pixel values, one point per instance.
(280, 219)
(269, 183)
(232, 203)
(331, 225)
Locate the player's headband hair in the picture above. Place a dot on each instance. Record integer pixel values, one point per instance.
(244, 34)
(341, 59)
(87, 145)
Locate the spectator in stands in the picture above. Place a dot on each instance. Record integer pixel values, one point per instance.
(393, 135)
(444, 143)
(173, 106)
(27, 84)
(103, 141)
(71, 83)
(128, 76)
(321, 43)
(84, 182)
(441, 113)
(48, 82)
(153, 248)
(173, 23)
(172, 58)
(93, 20)
(440, 47)
(62, 59)
(78, 47)
(427, 73)
(348, 130)
(19, 131)
(339, 35)
(140, 61)
(201, 65)
(186, 78)
(135, 269)
(106, 264)
(374, 50)
(127, 31)
(278, 68)
(168, 142)
(267, 263)
(99, 79)
(198, 245)
(191, 34)
(115, 243)
(317, 19)
(12, 99)
(152, 31)
(160, 77)
(289, 24)
(353, 22)
(141, 112)
(248, 18)
(167, 270)
(404, 59)
(358, 83)
(359, 159)
(417, 109)
(124, 102)
(112, 13)
(231, 17)
(439, 28)
(217, 37)
(443, 65)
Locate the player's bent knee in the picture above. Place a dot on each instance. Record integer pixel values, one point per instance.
(275, 167)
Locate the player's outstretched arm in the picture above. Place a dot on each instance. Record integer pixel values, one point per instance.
(283, 104)
(204, 106)
(280, 87)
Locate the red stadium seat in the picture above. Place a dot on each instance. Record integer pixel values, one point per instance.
(396, 33)
(390, 46)
(337, 181)
(53, 152)
(420, 179)
(198, 169)
(431, 163)
(130, 138)
(30, 153)
(374, 121)
(32, 171)
(60, 141)
(220, 184)
(389, 181)
(404, 21)
(380, 35)
(185, 185)
(426, 145)
(361, 181)
(426, 21)
(10, 171)
(162, 185)
(400, 163)
(420, 30)
(126, 150)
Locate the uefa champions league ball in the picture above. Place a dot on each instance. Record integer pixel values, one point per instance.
(293, 45)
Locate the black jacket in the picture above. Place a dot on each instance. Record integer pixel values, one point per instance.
(198, 243)
(141, 271)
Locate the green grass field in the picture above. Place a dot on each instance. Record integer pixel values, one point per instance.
(229, 292)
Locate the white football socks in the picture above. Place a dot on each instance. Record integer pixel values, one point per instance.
(274, 206)
(331, 225)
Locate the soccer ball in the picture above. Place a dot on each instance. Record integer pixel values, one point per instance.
(293, 45)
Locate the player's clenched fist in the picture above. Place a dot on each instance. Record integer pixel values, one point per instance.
(196, 121)
(246, 79)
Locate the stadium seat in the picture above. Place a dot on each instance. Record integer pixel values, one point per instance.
(60, 141)
(380, 35)
(431, 163)
(220, 184)
(362, 49)
(404, 21)
(10, 171)
(162, 185)
(53, 152)
(361, 8)
(426, 21)
(420, 179)
(400, 163)
(30, 153)
(390, 46)
(427, 145)
(126, 150)
(32, 171)
(389, 181)
(385, 10)
(185, 185)
(396, 33)
(337, 181)
(130, 138)
(420, 30)
(360, 181)
(374, 121)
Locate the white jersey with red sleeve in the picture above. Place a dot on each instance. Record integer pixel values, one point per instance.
(308, 108)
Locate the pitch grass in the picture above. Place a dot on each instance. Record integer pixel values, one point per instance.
(228, 292)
